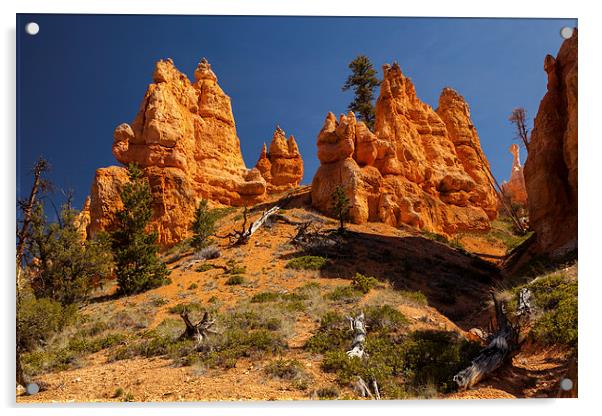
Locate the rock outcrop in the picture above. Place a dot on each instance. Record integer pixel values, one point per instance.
(515, 188)
(82, 221)
(551, 166)
(184, 139)
(282, 166)
(421, 167)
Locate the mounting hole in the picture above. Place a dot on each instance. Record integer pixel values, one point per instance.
(566, 384)
(32, 388)
(566, 32)
(32, 28)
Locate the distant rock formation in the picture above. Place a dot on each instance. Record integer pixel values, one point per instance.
(82, 221)
(282, 166)
(515, 188)
(184, 139)
(551, 166)
(421, 167)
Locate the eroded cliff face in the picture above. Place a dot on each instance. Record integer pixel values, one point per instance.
(282, 166)
(515, 188)
(184, 139)
(551, 166)
(420, 167)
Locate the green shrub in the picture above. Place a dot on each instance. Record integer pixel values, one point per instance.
(284, 369)
(204, 267)
(307, 263)
(263, 297)
(186, 308)
(364, 283)
(327, 393)
(39, 319)
(67, 268)
(332, 334)
(233, 267)
(203, 225)
(556, 297)
(193, 286)
(385, 318)
(235, 280)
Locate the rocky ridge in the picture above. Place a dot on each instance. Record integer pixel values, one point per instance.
(420, 167)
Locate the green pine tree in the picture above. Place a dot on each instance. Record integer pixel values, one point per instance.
(340, 205)
(203, 225)
(363, 81)
(138, 267)
(65, 268)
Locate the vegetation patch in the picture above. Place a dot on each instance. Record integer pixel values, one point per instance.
(345, 294)
(235, 280)
(555, 299)
(416, 297)
(186, 308)
(364, 283)
(307, 263)
(204, 268)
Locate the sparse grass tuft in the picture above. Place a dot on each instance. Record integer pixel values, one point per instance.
(186, 308)
(416, 297)
(263, 297)
(345, 294)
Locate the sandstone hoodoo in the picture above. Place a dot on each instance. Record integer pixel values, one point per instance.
(281, 166)
(515, 189)
(184, 139)
(551, 166)
(420, 167)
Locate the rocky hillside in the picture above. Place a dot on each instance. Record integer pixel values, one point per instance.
(281, 331)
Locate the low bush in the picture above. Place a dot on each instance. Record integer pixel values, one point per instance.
(364, 283)
(186, 308)
(555, 299)
(307, 263)
(204, 267)
(284, 369)
(263, 297)
(235, 280)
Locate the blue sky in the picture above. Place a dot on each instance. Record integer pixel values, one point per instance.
(82, 75)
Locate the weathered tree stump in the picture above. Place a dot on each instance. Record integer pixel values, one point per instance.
(199, 331)
(493, 356)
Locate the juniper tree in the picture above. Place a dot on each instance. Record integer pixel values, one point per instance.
(203, 225)
(340, 205)
(138, 267)
(363, 81)
(64, 267)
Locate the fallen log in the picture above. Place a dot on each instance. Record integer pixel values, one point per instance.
(493, 356)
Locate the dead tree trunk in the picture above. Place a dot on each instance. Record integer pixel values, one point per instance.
(242, 237)
(358, 326)
(23, 235)
(493, 356)
(199, 331)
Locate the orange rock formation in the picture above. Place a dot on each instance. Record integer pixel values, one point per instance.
(551, 167)
(282, 166)
(421, 167)
(184, 139)
(515, 189)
